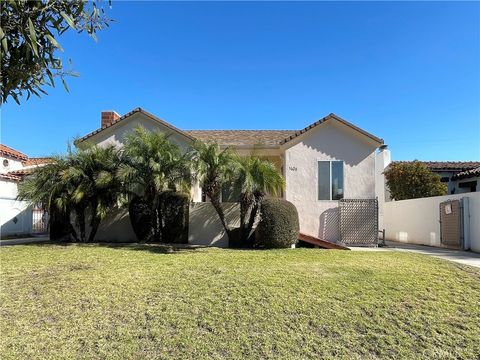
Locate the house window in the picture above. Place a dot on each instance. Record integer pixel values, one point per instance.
(330, 180)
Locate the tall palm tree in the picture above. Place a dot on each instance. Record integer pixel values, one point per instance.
(213, 167)
(254, 179)
(151, 163)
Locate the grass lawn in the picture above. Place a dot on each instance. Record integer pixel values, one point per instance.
(137, 302)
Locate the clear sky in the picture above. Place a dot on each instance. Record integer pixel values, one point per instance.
(406, 72)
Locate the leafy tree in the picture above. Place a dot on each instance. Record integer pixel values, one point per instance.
(255, 178)
(214, 167)
(29, 41)
(411, 180)
(151, 164)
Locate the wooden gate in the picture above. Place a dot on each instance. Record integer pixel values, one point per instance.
(451, 223)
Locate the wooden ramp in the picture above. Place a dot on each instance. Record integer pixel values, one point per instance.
(321, 243)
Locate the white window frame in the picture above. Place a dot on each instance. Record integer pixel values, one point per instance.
(330, 180)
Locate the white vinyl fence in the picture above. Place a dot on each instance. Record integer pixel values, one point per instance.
(416, 221)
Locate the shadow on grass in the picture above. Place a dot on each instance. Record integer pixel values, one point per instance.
(157, 248)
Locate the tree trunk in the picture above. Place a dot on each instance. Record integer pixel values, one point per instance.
(80, 220)
(214, 198)
(94, 224)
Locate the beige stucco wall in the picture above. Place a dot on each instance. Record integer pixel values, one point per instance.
(417, 221)
(116, 133)
(205, 227)
(328, 141)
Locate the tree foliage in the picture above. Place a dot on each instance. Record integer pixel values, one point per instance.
(151, 164)
(254, 178)
(29, 37)
(214, 167)
(411, 180)
(81, 183)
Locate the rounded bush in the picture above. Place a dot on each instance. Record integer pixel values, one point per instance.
(278, 226)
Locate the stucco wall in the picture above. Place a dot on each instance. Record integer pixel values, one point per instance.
(416, 221)
(329, 141)
(15, 216)
(205, 227)
(116, 134)
(13, 164)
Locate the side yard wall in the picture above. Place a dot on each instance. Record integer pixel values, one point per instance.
(15, 216)
(204, 226)
(416, 221)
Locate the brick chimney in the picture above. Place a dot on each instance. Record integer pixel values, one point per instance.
(108, 117)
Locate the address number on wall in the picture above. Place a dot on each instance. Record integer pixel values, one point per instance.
(292, 168)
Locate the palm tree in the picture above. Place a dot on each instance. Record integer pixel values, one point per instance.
(254, 179)
(151, 163)
(213, 167)
(46, 186)
(95, 188)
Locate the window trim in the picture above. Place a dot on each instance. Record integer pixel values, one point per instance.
(330, 180)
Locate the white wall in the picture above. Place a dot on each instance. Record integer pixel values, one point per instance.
(328, 141)
(15, 216)
(13, 164)
(416, 221)
(205, 227)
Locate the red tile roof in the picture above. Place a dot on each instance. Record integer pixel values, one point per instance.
(9, 176)
(8, 151)
(467, 174)
(447, 165)
(36, 161)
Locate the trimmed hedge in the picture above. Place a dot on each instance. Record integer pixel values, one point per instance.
(141, 218)
(278, 226)
(173, 213)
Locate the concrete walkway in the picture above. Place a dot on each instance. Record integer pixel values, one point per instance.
(20, 241)
(458, 256)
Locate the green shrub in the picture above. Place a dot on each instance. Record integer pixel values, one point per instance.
(141, 219)
(173, 212)
(278, 226)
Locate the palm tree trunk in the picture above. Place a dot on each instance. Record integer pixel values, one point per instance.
(80, 220)
(218, 208)
(94, 224)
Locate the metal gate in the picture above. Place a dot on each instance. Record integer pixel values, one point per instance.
(39, 220)
(451, 223)
(359, 222)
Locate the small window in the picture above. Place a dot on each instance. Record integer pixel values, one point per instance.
(330, 180)
(5, 163)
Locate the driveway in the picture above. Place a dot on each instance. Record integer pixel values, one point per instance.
(458, 256)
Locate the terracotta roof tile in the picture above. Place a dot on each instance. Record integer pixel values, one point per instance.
(8, 151)
(36, 161)
(447, 165)
(9, 176)
(467, 174)
(242, 137)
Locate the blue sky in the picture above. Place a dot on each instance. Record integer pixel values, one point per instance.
(406, 72)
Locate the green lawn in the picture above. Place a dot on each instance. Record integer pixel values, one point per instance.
(139, 302)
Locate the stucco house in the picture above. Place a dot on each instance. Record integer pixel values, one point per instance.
(16, 217)
(326, 161)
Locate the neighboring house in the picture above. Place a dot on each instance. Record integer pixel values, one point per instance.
(460, 176)
(328, 160)
(16, 217)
